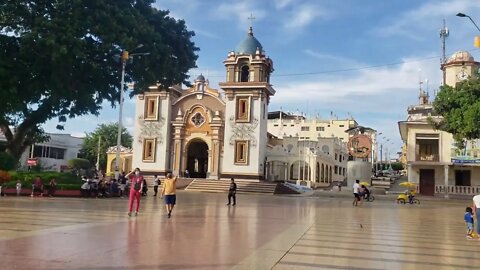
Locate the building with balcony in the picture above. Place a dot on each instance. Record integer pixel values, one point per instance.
(433, 161)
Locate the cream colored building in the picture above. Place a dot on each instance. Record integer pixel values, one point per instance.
(284, 125)
(210, 133)
(432, 159)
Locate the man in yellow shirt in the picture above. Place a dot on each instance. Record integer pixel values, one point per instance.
(169, 189)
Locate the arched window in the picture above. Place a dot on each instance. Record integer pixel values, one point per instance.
(245, 74)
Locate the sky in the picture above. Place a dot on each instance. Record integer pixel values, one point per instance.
(359, 58)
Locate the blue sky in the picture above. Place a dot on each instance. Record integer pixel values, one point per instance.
(400, 38)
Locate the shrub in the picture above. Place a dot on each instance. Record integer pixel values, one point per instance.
(7, 161)
(4, 177)
(79, 164)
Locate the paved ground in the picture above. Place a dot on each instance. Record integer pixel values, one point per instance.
(261, 232)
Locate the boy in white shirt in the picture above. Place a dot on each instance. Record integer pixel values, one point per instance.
(356, 192)
(18, 187)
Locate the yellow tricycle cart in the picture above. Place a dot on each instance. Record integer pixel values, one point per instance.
(409, 195)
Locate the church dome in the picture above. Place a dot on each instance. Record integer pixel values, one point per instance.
(200, 78)
(249, 45)
(461, 56)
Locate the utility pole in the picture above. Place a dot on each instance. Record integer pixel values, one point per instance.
(443, 36)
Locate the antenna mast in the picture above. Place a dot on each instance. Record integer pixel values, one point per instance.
(443, 36)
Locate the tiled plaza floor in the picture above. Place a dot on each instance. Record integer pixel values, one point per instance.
(261, 232)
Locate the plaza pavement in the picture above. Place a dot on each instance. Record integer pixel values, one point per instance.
(261, 232)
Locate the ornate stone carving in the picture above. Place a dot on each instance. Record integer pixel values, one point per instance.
(243, 131)
(151, 129)
(197, 119)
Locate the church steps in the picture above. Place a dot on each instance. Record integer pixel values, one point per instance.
(243, 186)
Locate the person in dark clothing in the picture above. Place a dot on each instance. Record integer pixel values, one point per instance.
(231, 192)
(144, 187)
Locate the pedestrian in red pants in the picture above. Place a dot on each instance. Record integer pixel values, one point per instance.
(136, 185)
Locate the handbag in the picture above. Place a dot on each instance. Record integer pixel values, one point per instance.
(137, 186)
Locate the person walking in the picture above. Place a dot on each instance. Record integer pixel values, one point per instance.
(232, 190)
(136, 185)
(476, 211)
(169, 190)
(156, 183)
(356, 192)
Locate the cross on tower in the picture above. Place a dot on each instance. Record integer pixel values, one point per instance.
(251, 19)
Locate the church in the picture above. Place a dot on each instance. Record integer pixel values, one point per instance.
(204, 132)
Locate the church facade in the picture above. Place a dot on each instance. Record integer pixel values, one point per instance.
(206, 133)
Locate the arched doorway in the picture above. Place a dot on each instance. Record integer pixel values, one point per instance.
(197, 159)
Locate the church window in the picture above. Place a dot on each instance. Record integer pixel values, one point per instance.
(342, 125)
(149, 150)
(275, 125)
(320, 128)
(243, 109)
(151, 108)
(305, 129)
(245, 74)
(241, 152)
(198, 119)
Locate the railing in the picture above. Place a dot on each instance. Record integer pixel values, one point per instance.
(426, 158)
(459, 190)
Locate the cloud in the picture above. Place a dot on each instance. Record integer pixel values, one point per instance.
(423, 17)
(338, 60)
(241, 10)
(280, 4)
(302, 16)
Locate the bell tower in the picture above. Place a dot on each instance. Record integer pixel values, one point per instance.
(460, 66)
(247, 91)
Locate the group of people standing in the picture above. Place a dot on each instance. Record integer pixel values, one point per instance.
(138, 185)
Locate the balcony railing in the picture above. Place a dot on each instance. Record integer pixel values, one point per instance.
(427, 157)
(458, 190)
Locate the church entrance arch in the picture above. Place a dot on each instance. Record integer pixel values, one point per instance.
(197, 159)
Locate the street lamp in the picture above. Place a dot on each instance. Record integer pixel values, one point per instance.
(477, 38)
(462, 15)
(124, 58)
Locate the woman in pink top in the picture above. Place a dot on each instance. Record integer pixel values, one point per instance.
(136, 185)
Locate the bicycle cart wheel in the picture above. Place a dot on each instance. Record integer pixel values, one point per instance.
(401, 201)
(416, 201)
(371, 198)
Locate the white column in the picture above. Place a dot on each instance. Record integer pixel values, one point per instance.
(445, 168)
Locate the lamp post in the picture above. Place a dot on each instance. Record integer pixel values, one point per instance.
(477, 38)
(124, 58)
(462, 15)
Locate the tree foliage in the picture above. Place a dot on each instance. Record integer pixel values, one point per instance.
(7, 162)
(79, 164)
(397, 166)
(108, 138)
(57, 59)
(460, 109)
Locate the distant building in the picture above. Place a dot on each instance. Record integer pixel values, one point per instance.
(433, 161)
(52, 155)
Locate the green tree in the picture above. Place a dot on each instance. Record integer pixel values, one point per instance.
(460, 111)
(7, 162)
(79, 164)
(57, 59)
(108, 138)
(397, 166)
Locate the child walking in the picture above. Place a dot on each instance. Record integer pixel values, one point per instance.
(469, 221)
(18, 187)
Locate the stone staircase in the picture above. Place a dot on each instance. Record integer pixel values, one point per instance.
(243, 186)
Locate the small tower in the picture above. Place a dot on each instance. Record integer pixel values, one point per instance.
(460, 66)
(247, 92)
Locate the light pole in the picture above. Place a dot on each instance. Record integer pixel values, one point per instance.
(124, 58)
(462, 15)
(476, 41)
